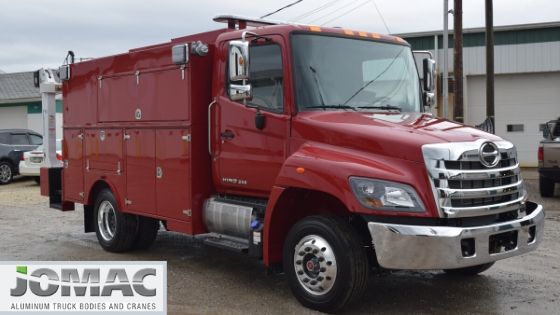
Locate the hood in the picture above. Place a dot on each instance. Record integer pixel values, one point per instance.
(399, 135)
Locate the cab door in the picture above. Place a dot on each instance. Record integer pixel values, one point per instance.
(251, 135)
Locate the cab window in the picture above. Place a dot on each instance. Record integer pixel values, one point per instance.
(265, 67)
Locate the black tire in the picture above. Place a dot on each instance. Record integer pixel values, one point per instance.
(351, 263)
(37, 179)
(470, 271)
(147, 232)
(6, 172)
(123, 226)
(546, 186)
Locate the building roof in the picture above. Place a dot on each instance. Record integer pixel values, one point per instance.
(18, 87)
(503, 35)
(517, 27)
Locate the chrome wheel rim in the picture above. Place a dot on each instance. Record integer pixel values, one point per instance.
(5, 173)
(106, 220)
(315, 265)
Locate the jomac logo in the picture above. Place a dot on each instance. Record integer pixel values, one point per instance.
(70, 278)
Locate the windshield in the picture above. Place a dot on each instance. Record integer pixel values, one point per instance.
(333, 73)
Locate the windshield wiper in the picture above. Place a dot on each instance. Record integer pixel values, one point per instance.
(386, 107)
(333, 106)
(317, 84)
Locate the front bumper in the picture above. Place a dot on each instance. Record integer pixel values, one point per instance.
(439, 247)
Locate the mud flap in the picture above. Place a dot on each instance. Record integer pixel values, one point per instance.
(51, 186)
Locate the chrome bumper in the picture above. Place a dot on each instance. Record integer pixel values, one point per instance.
(439, 247)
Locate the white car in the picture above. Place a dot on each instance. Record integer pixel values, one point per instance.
(32, 161)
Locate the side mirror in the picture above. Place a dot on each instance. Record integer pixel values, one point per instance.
(240, 92)
(429, 66)
(238, 60)
(429, 98)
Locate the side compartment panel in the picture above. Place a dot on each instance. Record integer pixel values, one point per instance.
(117, 98)
(140, 171)
(164, 95)
(73, 174)
(173, 186)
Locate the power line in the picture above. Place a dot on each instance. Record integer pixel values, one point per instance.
(282, 8)
(381, 16)
(335, 11)
(316, 10)
(347, 12)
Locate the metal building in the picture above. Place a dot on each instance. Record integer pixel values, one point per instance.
(527, 82)
(20, 104)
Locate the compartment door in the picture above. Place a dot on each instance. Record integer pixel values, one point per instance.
(140, 171)
(174, 178)
(73, 174)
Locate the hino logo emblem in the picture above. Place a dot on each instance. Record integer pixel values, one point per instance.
(489, 154)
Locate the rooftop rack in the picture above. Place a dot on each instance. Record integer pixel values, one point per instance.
(241, 22)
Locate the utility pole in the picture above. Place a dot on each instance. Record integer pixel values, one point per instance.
(444, 76)
(458, 60)
(490, 62)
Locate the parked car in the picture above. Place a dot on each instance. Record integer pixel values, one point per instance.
(549, 158)
(32, 161)
(13, 143)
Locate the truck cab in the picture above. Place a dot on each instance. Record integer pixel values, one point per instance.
(304, 146)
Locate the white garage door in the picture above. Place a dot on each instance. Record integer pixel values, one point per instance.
(13, 117)
(522, 103)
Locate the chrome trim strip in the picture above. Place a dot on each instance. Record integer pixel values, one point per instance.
(400, 246)
(480, 192)
(456, 212)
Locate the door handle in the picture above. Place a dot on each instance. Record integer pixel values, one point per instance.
(227, 135)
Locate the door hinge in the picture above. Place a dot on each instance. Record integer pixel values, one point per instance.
(187, 212)
(99, 79)
(87, 165)
(126, 136)
(127, 201)
(81, 136)
(119, 168)
(159, 172)
(187, 137)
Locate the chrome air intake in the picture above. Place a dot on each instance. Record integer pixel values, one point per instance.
(475, 178)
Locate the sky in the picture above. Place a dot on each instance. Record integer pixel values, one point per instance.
(38, 33)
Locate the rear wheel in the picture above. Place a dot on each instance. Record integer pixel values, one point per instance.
(546, 186)
(6, 173)
(116, 231)
(470, 271)
(147, 232)
(326, 265)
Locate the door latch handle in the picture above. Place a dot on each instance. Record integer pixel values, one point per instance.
(227, 135)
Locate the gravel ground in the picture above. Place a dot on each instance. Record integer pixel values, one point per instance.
(205, 280)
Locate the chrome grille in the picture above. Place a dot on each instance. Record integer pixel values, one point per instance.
(464, 187)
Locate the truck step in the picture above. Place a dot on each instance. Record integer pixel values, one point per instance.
(227, 243)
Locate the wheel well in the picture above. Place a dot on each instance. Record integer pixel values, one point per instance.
(88, 208)
(9, 161)
(294, 205)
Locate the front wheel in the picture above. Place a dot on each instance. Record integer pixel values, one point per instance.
(116, 231)
(470, 271)
(326, 264)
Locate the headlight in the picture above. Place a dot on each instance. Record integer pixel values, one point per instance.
(386, 195)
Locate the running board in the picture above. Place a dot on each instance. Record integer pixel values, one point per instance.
(234, 244)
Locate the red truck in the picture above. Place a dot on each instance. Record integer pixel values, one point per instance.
(307, 147)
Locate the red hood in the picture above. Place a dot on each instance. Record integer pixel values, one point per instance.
(399, 135)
